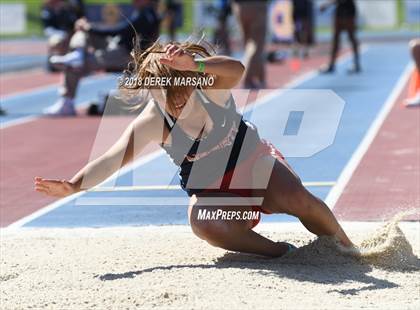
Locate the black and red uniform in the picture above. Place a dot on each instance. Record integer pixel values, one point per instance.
(223, 144)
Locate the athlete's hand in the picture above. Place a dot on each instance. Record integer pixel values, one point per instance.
(178, 59)
(55, 188)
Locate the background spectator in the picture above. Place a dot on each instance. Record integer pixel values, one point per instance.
(254, 28)
(221, 33)
(173, 9)
(344, 20)
(58, 19)
(303, 24)
(91, 50)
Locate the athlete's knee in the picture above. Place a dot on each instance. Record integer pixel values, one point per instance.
(213, 232)
(201, 228)
(299, 201)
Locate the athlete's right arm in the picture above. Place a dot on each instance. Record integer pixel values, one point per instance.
(144, 129)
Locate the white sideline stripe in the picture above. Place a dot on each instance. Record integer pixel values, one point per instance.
(358, 154)
(50, 87)
(141, 161)
(18, 121)
(167, 201)
(27, 119)
(410, 227)
(297, 81)
(31, 92)
(177, 187)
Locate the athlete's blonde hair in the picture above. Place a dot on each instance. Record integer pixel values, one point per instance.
(146, 64)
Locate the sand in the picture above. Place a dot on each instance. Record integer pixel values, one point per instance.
(169, 268)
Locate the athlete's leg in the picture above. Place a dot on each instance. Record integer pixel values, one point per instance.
(286, 194)
(233, 234)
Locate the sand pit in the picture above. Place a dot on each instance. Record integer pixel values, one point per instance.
(169, 268)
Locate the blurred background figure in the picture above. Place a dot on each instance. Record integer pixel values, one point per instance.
(303, 27)
(173, 12)
(103, 47)
(58, 18)
(252, 18)
(344, 20)
(221, 33)
(414, 88)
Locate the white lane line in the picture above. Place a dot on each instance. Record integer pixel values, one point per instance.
(358, 154)
(143, 160)
(27, 119)
(18, 121)
(166, 202)
(39, 90)
(50, 87)
(178, 187)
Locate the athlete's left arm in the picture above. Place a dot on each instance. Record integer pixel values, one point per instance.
(228, 71)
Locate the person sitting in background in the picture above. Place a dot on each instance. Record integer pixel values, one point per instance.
(91, 51)
(344, 20)
(58, 18)
(415, 51)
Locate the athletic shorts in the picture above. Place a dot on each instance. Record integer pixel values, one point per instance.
(243, 171)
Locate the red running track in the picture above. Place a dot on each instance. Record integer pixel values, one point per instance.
(387, 180)
(23, 47)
